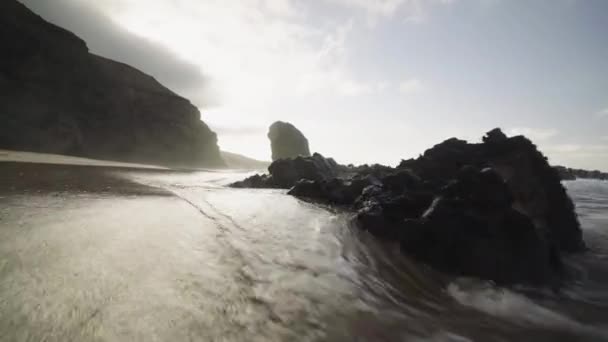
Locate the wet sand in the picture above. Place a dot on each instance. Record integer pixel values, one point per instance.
(108, 253)
(27, 177)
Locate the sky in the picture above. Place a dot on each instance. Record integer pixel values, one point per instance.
(369, 80)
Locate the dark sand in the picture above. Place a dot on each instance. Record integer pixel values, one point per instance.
(24, 178)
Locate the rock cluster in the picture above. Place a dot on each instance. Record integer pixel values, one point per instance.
(284, 173)
(57, 97)
(494, 210)
(286, 141)
(567, 173)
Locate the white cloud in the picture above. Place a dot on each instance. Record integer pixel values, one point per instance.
(281, 7)
(565, 148)
(373, 7)
(587, 156)
(239, 129)
(410, 86)
(253, 50)
(415, 11)
(535, 134)
(579, 149)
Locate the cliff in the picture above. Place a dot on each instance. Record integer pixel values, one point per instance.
(56, 97)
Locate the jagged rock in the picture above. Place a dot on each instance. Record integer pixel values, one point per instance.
(285, 173)
(537, 190)
(334, 191)
(286, 141)
(494, 136)
(494, 210)
(472, 229)
(255, 181)
(57, 97)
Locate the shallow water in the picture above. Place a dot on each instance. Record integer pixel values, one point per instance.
(214, 263)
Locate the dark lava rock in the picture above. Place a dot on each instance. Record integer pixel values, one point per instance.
(57, 97)
(334, 191)
(286, 141)
(285, 173)
(471, 228)
(255, 181)
(494, 210)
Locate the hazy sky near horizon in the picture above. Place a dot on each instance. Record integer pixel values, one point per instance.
(369, 80)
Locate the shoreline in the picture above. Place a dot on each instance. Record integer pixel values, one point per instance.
(18, 177)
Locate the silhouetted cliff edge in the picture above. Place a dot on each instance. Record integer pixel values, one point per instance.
(57, 97)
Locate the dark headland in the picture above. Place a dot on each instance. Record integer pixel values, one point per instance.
(57, 97)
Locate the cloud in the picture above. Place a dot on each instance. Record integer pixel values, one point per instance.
(535, 134)
(373, 7)
(411, 10)
(254, 51)
(281, 7)
(602, 113)
(104, 37)
(588, 156)
(250, 51)
(580, 149)
(410, 86)
(239, 129)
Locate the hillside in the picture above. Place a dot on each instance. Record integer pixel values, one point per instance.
(237, 161)
(56, 97)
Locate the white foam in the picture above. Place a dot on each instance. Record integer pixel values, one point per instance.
(507, 304)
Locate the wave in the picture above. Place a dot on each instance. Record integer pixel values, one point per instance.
(515, 307)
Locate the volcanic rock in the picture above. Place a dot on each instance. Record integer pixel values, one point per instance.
(494, 210)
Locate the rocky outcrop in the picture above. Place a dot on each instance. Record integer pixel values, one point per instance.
(566, 173)
(286, 141)
(284, 173)
(57, 97)
(494, 210)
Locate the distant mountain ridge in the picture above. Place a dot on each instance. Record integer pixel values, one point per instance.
(56, 97)
(237, 161)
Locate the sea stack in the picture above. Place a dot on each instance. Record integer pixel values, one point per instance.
(286, 141)
(57, 97)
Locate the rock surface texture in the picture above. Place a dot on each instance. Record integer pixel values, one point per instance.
(286, 141)
(494, 210)
(57, 97)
